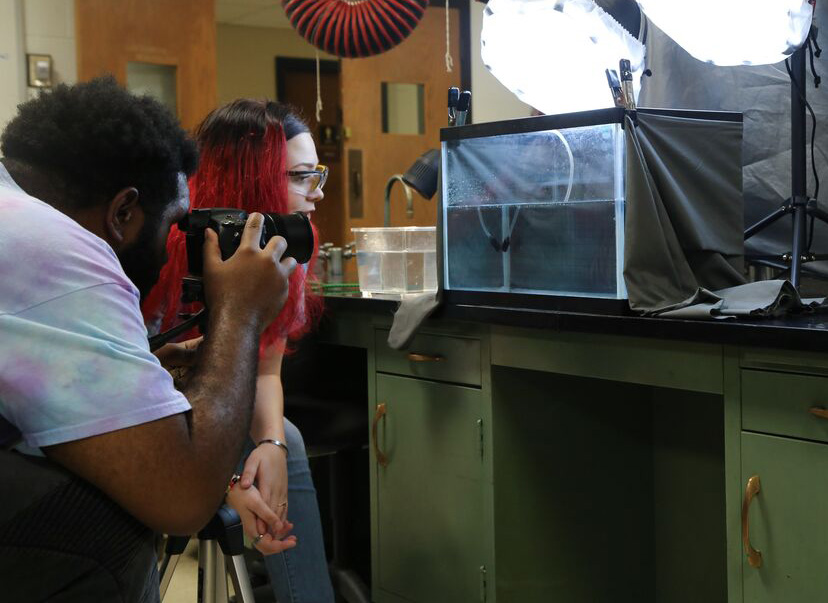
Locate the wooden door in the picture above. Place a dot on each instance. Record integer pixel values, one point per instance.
(112, 33)
(296, 84)
(420, 59)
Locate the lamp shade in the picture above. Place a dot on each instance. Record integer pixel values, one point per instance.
(733, 32)
(553, 53)
(352, 29)
(422, 175)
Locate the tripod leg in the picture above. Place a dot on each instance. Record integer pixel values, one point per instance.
(767, 220)
(167, 569)
(818, 213)
(800, 215)
(221, 578)
(241, 581)
(207, 571)
(172, 553)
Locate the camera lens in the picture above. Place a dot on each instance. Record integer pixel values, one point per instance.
(297, 231)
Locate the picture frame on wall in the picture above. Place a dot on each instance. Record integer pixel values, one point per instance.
(39, 70)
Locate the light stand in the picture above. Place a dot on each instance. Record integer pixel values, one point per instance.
(798, 204)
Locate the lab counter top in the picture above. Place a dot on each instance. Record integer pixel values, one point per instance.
(795, 332)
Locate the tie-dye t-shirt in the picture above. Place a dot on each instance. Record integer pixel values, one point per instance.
(74, 357)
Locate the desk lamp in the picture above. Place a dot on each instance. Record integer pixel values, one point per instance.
(421, 176)
(757, 32)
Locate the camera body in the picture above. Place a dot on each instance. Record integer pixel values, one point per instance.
(229, 225)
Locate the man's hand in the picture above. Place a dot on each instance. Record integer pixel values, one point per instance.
(258, 520)
(267, 468)
(253, 282)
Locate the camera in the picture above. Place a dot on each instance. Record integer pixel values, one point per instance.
(229, 225)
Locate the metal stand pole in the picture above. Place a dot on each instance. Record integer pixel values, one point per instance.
(798, 204)
(799, 182)
(220, 553)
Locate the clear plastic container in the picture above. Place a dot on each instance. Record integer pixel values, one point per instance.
(538, 211)
(396, 260)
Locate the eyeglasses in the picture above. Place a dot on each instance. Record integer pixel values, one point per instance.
(312, 179)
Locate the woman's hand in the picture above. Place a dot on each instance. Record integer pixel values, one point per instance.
(177, 358)
(260, 523)
(267, 468)
(178, 355)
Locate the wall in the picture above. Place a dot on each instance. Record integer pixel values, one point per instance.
(111, 33)
(12, 59)
(247, 59)
(491, 101)
(34, 27)
(50, 29)
(419, 59)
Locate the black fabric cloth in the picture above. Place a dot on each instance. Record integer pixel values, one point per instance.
(62, 540)
(763, 94)
(683, 223)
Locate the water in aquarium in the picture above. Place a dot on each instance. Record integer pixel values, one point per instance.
(546, 248)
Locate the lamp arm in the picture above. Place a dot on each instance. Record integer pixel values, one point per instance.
(409, 200)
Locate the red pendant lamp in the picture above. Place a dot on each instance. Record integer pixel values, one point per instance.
(354, 28)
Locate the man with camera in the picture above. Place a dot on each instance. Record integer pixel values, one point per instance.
(91, 181)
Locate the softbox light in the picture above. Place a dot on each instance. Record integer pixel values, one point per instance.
(553, 54)
(733, 32)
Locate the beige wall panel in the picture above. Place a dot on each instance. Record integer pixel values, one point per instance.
(420, 59)
(247, 59)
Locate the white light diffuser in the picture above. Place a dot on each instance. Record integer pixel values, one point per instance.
(553, 53)
(733, 32)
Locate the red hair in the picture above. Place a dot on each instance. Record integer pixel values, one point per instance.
(243, 165)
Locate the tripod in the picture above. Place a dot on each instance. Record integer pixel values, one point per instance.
(798, 204)
(220, 552)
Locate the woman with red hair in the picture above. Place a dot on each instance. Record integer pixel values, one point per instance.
(259, 156)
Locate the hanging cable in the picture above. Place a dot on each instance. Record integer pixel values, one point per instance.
(449, 60)
(318, 91)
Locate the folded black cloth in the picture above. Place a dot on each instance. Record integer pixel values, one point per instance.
(762, 298)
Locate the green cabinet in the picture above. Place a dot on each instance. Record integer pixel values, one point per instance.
(787, 519)
(519, 465)
(784, 448)
(430, 539)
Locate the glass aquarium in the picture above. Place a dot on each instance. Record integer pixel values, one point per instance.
(535, 206)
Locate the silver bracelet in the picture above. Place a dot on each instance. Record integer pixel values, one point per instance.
(278, 443)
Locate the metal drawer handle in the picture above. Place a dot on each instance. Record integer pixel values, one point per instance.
(381, 458)
(753, 488)
(819, 412)
(417, 357)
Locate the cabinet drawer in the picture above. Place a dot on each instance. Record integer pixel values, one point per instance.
(780, 404)
(438, 357)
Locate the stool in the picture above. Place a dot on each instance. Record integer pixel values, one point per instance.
(220, 552)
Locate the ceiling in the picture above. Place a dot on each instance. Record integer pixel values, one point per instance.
(255, 13)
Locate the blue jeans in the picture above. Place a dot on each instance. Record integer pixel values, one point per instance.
(300, 574)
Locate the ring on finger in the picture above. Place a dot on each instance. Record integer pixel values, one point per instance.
(258, 539)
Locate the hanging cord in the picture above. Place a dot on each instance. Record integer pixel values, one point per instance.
(449, 60)
(498, 246)
(318, 91)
